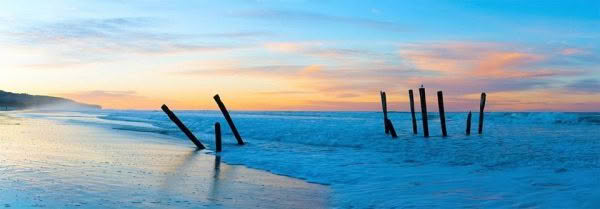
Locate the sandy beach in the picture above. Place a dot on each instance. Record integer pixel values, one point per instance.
(51, 164)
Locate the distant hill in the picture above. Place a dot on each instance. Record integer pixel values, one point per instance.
(13, 101)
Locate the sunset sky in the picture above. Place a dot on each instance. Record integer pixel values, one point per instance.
(304, 55)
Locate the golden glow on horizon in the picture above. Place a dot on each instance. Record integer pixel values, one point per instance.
(190, 85)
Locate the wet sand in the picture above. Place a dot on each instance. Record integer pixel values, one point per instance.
(45, 163)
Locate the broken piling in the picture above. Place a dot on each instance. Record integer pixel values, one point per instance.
(412, 110)
(182, 127)
(384, 109)
(424, 112)
(468, 131)
(442, 112)
(229, 120)
(481, 109)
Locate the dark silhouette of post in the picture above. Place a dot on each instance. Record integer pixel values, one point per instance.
(229, 121)
(384, 108)
(218, 142)
(424, 112)
(469, 124)
(412, 110)
(182, 127)
(442, 112)
(390, 126)
(481, 108)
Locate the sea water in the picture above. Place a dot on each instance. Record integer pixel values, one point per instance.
(522, 160)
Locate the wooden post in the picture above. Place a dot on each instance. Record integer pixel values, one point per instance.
(391, 128)
(424, 112)
(442, 112)
(384, 108)
(481, 108)
(218, 137)
(412, 110)
(469, 124)
(182, 127)
(228, 118)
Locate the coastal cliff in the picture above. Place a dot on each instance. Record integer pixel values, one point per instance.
(15, 101)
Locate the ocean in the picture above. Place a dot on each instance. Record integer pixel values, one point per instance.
(522, 160)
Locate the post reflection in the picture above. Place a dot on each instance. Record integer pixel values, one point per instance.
(217, 167)
(178, 171)
(214, 186)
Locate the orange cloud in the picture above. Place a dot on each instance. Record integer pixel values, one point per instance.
(475, 59)
(310, 69)
(504, 64)
(289, 46)
(446, 57)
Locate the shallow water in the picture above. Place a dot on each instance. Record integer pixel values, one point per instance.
(45, 164)
(523, 160)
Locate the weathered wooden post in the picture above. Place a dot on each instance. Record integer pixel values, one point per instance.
(469, 124)
(412, 110)
(229, 121)
(182, 127)
(384, 108)
(218, 142)
(481, 108)
(424, 111)
(442, 112)
(391, 128)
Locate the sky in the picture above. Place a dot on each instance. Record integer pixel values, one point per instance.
(305, 54)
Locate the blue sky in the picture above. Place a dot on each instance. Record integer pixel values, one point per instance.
(304, 55)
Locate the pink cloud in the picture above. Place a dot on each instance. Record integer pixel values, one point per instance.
(317, 49)
(486, 60)
(571, 51)
(507, 65)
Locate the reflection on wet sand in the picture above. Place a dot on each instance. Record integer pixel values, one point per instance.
(214, 186)
(57, 165)
(179, 168)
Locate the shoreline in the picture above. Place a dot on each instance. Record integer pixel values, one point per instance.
(46, 163)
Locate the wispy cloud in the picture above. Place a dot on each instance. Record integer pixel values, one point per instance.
(245, 34)
(314, 17)
(585, 85)
(335, 81)
(483, 60)
(318, 49)
(265, 71)
(460, 69)
(81, 41)
(571, 51)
